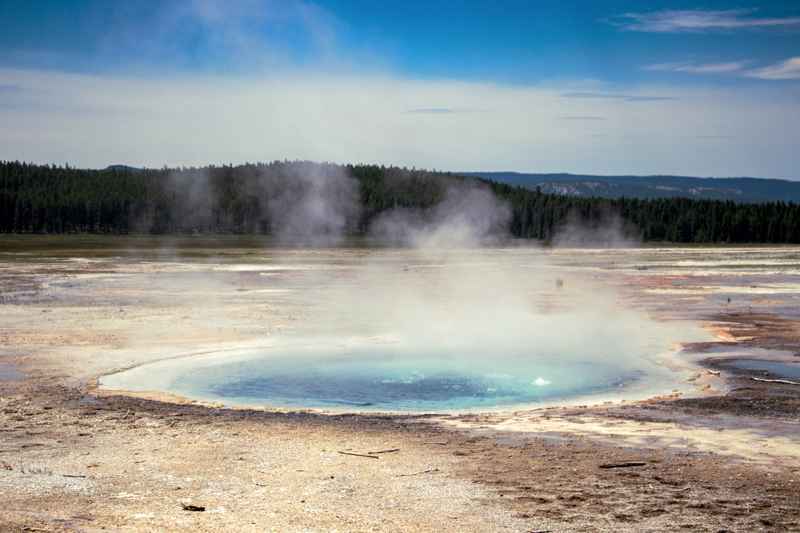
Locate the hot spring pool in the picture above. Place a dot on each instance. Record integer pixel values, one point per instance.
(379, 377)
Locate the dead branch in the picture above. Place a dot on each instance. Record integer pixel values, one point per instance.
(392, 450)
(627, 464)
(190, 507)
(430, 471)
(359, 455)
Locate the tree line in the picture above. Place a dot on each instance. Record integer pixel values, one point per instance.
(260, 198)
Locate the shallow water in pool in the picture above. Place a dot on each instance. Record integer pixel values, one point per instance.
(390, 379)
(777, 368)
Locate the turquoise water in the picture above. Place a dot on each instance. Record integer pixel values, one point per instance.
(388, 378)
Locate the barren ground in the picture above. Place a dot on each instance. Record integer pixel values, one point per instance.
(75, 458)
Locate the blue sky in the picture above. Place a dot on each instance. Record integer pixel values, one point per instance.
(716, 84)
(513, 41)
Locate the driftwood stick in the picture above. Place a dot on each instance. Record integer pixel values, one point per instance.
(781, 381)
(627, 464)
(392, 450)
(429, 471)
(193, 508)
(359, 455)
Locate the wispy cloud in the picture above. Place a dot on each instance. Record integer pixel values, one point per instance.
(433, 111)
(675, 21)
(581, 117)
(699, 68)
(96, 120)
(785, 70)
(444, 110)
(618, 96)
(8, 88)
(250, 37)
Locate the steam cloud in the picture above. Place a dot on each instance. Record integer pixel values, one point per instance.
(452, 286)
(611, 231)
(462, 290)
(299, 203)
(317, 205)
(468, 216)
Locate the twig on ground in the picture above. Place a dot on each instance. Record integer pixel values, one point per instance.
(392, 450)
(359, 455)
(190, 507)
(430, 471)
(73, 475)
(627, 464)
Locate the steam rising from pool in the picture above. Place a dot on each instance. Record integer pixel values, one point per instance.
(422, 330)
(449, 320)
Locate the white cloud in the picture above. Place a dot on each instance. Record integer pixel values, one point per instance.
(241, 37)
(581, 117)
(672, 21)
(434, 111)
(618, 96)
(100, 120)
(785, 70)
(700, 68)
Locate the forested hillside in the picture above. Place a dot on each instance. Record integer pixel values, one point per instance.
(743, 190)
(254, 198)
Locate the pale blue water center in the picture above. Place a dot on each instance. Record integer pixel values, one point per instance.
(390, 378)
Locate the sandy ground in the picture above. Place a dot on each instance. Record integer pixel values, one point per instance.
(75, 458)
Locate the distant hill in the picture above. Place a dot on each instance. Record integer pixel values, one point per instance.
(737, 189)
(124, 168)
